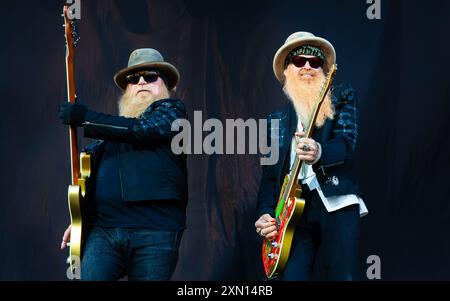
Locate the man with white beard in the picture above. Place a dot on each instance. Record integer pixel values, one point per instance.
(138, 186)
(325, 242)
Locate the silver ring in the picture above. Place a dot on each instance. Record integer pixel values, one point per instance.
(306, 147)
(259, 231)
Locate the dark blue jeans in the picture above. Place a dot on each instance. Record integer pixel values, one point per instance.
(325, 244)
(142, 254)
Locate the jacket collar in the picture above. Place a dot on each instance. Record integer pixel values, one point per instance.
(290, 124)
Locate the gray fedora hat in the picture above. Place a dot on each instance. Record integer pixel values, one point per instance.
(144, 59)
(295, 40)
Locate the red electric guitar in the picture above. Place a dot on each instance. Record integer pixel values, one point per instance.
(290, 206)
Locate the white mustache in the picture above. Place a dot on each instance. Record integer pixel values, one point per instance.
(307, 73)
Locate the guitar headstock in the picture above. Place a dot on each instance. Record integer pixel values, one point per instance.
(332, 71)
(328, 81)
(72, 38)
(323, 91)
(71, 34)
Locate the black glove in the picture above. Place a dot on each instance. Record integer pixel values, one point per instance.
(72, 113)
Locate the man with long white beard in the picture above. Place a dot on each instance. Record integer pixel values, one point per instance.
(138, 186)
(325, 242)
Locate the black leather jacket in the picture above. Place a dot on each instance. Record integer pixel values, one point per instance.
(337, 138)
(149, 170)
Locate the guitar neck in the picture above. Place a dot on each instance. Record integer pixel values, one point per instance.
(297, 165)
(293, 177)
(74, 162)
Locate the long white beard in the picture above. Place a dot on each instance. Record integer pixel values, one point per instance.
(134, 106)
(304, 96)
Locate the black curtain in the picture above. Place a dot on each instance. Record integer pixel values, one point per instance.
(224, 51)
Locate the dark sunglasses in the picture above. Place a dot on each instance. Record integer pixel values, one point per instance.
(300, 61)
(149, 77)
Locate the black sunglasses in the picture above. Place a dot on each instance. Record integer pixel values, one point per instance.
(149, 77)
(300, 61)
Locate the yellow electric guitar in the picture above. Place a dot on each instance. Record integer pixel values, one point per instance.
(80, 168)
(290, 205)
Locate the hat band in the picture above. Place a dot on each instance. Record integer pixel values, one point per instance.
(305, 50)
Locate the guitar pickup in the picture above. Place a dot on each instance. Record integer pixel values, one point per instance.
(85, 165)
(85, 171)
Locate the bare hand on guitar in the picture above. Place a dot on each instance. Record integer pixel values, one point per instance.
(307, 149)
(66, 237)
(266, 227)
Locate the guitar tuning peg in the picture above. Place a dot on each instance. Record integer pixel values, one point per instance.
(64, 25)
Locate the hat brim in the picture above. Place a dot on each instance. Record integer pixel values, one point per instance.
(283, 52)
(170, 72)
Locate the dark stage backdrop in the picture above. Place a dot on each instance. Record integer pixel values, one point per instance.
(224, 49)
